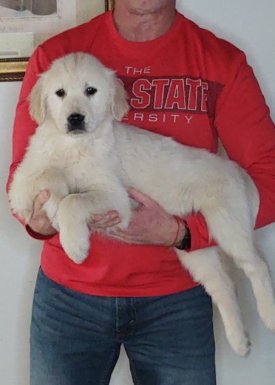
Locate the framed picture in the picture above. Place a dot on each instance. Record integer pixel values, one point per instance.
(26, 23)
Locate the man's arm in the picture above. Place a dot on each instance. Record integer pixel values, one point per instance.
(245, 128)
(247, 133)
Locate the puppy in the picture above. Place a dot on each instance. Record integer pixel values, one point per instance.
(87, 159)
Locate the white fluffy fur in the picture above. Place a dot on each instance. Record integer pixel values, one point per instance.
(89, 172)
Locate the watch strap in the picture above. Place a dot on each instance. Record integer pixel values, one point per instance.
(185, 243)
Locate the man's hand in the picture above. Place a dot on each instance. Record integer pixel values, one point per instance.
(104, 221)
(39, 221)
(150, 224)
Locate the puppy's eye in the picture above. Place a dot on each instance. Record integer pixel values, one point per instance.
(90, 91)
(60, 93)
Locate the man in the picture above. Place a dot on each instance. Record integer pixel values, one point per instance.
(183, 82)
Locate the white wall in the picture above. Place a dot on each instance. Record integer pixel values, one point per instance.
(247, 23)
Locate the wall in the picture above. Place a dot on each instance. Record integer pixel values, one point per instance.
(247, 23)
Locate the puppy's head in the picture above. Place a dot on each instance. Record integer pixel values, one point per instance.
(78, 93)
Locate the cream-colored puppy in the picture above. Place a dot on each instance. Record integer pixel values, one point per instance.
(87, 159)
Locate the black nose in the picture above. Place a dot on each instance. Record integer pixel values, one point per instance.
(75, 122)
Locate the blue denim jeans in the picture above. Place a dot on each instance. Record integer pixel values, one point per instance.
(76, 338)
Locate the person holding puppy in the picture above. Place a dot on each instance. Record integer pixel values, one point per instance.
(135, 292)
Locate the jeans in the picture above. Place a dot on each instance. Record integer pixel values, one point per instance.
(76, 338)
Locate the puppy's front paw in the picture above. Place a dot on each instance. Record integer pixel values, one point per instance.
(75, 246)
(77, 254)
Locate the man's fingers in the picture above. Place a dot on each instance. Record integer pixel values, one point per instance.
(105, 220)
(109, 216)
(39, 221)
(41, 198)
(139, 197)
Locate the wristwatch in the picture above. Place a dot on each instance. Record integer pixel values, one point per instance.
(185, 243)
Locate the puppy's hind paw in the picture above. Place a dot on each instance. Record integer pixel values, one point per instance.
(240, 343)
(243, 347)
(269, 320)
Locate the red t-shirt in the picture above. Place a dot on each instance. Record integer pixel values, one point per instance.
(187, 84)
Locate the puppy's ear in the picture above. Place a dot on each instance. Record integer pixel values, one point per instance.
(120, 105)
(38, 102)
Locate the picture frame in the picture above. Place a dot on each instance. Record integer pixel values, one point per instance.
(13, 68)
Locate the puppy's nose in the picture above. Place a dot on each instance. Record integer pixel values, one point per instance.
(75, 122)
(76, 119)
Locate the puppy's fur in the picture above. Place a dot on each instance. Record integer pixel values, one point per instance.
(87, 159)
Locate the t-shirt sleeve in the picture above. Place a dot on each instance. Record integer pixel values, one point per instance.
(246, 131)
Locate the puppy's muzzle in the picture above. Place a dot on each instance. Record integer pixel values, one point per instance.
(76, 123)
